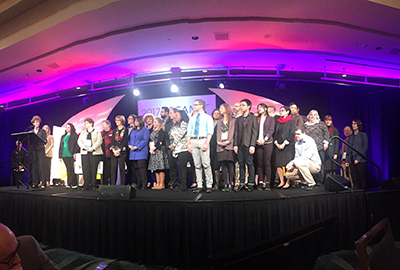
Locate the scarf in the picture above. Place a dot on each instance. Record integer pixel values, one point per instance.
(284, 120)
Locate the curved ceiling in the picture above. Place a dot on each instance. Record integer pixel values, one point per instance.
(76, 42)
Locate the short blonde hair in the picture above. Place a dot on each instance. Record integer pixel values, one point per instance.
(308, 116)
(120, 118)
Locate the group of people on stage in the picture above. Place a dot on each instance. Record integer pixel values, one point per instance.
(253, 151)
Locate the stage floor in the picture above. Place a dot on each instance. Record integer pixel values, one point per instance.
(187, 196)
(182, 229)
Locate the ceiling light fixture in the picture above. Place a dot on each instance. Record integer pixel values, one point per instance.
(136, 92)
(174, 88)
(344, 75)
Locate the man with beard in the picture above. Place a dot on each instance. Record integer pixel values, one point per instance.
(171, 176)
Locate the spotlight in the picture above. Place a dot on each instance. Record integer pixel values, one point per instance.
(136, 92)
(78, 88)
(344, 75)
(174, 88)
(221, 85)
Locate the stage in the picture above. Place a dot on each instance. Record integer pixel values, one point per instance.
(182, 229)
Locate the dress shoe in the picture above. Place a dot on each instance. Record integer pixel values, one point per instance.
(310, 188)
(240, 188)
(197, 190)
(249, 188)
(208, 190)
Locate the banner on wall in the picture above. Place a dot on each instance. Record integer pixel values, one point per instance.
(154, 106)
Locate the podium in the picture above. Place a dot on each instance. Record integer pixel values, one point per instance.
(30, 138)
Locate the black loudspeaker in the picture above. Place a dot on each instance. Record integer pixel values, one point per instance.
(336, 183)
(116, 193)
(391, 184)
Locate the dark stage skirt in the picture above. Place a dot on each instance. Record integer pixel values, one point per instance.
(226, 155)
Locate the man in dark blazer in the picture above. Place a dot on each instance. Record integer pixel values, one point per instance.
(245, 139)
(22, 252)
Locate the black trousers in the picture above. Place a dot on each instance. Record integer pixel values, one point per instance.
(264, 154)
(244, 158)
(141, 172)
(47, 169)
(118, 163)
(132, 179)
(18, 177)
(228, 171)
(173, 166)
(319, 177)
(38, 159)
(107, 171)
(359, 175)
(182, 161)
(71, 176)
(90, 163)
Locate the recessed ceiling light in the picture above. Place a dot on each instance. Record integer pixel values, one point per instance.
(39, 70)
(195, 38)
(136, 92)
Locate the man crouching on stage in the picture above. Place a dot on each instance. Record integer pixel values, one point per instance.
(306, 160)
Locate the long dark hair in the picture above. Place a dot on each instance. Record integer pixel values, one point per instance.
(141, 122)
(265, 109)
(73, 130)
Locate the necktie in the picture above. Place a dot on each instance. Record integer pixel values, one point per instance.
(196, 125)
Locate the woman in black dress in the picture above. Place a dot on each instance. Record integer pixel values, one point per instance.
(284, 143)
(333, 148)
(158, 161)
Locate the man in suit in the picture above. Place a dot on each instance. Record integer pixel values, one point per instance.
(22, 252)
(245, 139)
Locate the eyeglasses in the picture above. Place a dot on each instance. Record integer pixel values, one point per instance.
(196, 104)
(12, 255)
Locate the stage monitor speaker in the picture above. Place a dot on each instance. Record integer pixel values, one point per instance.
(393, 183)
(336, 183)
(116, 192)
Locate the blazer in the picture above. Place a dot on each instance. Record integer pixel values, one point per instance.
(72, 144)
(268, 129)
(123, 144)
(360, 143)
(246, 134)
(231, 133)
(97, 140)
(140, 139)
(38, 144)
(161, 139)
